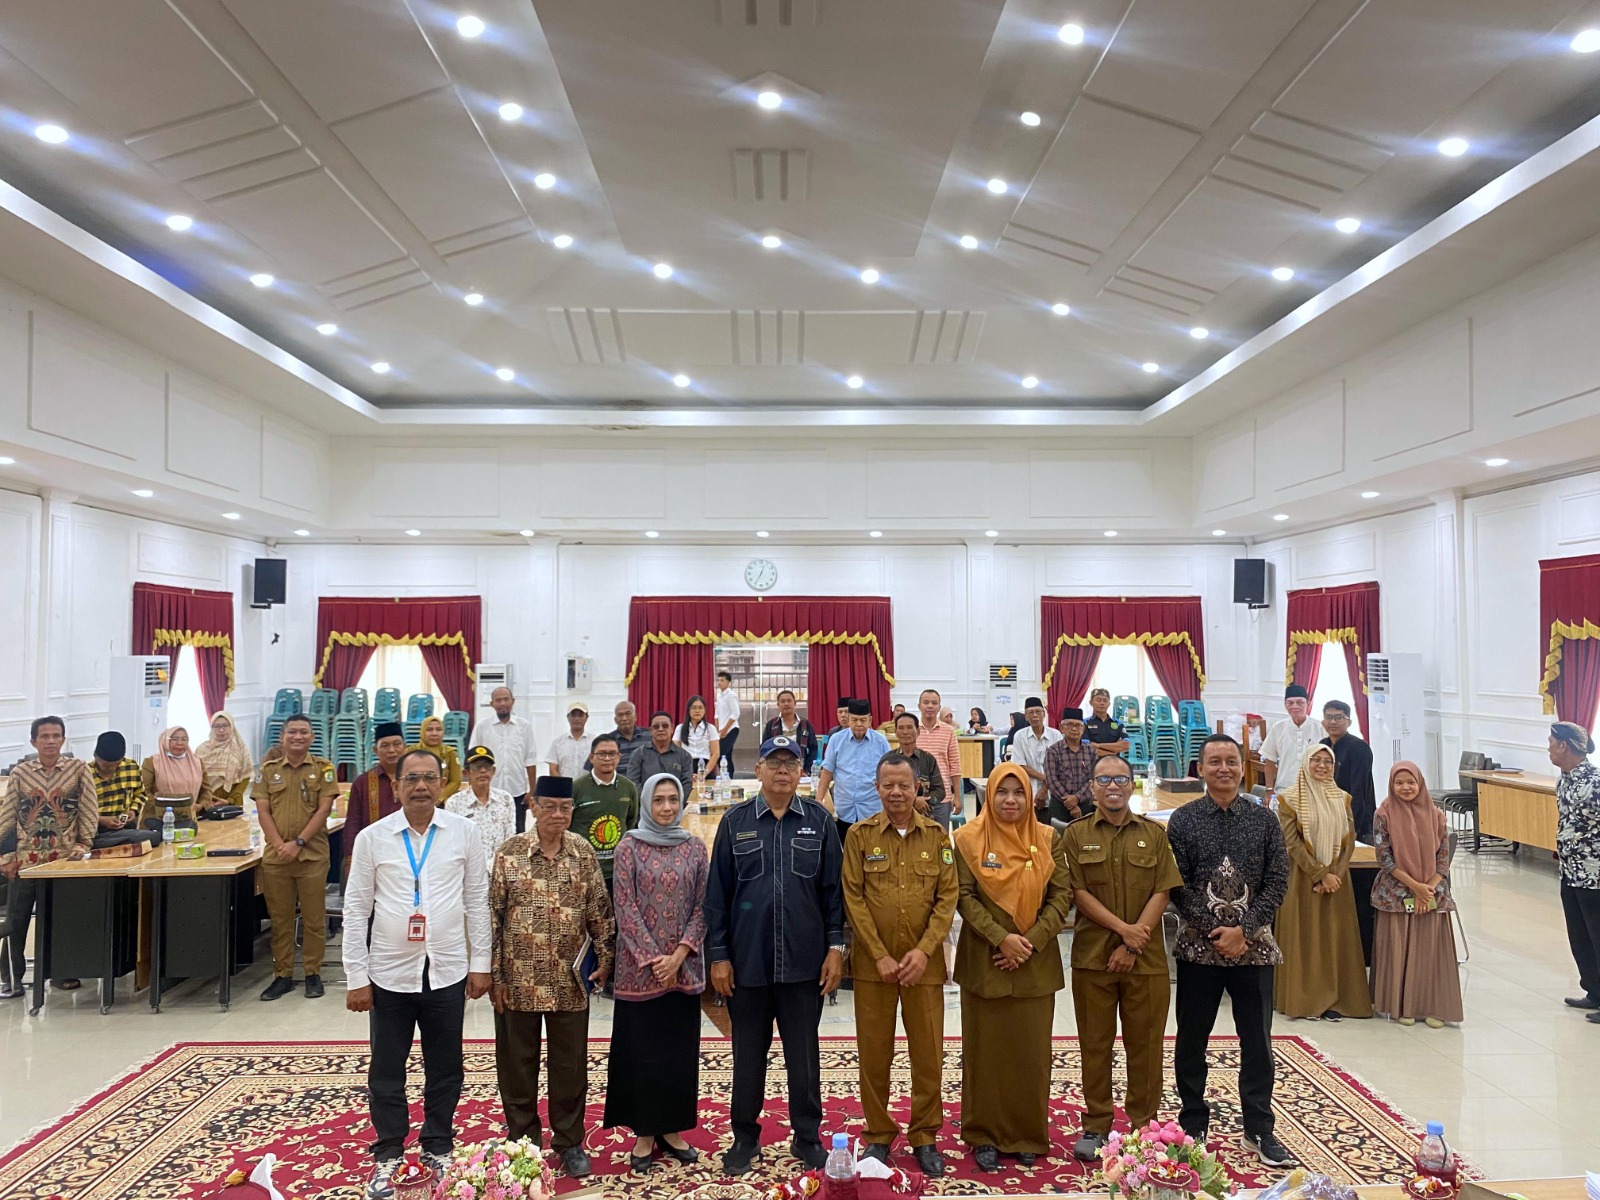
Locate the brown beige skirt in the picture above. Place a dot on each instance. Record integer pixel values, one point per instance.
(1005, 1072)
(1414, 971)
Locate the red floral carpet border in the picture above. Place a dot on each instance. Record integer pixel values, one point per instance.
(177, 1126)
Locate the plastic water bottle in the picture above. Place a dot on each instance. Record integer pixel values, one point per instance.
(839, 1172)
(1433, 1156)
(256, 840)
(168, 826)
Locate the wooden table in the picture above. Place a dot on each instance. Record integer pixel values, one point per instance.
(1517, 807)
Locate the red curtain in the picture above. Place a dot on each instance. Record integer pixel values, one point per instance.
(671, 641)
(1308, 666)
(1170, 628)
(1348, 615)
(449, 629)
(165, 618)
(1569, 636)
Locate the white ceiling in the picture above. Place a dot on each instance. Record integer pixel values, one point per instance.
(354, 151)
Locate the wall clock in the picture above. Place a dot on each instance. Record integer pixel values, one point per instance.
(760, 574)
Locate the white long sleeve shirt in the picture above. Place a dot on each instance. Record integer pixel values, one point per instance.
(455, 900)
(514, 750)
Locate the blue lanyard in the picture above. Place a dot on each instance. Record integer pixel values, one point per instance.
(416, 866)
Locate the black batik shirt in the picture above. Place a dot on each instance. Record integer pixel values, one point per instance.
(1578, 826)
(1235, 871)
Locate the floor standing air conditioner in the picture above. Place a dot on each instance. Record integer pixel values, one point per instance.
(1394, 713)
(1002, 697)
(494, 675)
(140, 685)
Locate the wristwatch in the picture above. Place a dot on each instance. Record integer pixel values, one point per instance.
(301, 842)
(840, 947)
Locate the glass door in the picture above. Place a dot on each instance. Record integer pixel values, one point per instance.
(760, 671)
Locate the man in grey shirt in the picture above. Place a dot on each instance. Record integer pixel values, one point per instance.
(662, 754)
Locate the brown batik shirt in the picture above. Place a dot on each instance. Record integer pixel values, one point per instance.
(542, 908)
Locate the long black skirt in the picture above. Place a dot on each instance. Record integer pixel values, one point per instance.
(653, 1072)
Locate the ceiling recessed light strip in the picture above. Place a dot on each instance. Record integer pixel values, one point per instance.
(875, 533)
(261, 279)
(505, 374)
(1199, 333)
(180, 223)
(1283, 274)
(473, 299)
(230, 516)
(682, 381)
(1453, 147)
(1071, 33)
(1030, 382)
(651, 533)
(1369, 495)
(544, 181)
(968, 242)
(143, 493)
(54, 135)
(662, 270)
(772, 241)
(469, 26)
(991, 533)
(996, 186)
(1060, 309)
(1150, 368)
(327, 329)
(870, 275)
(302, 533)
(561, 241)
(1495, 462)
(1030, 119)
(511, 111)
(854, 381)
(1587, 42)
(761, 533)
(1348, 225)
(1219, 533)
(770, 100)
(1280, 516)
(380, 368)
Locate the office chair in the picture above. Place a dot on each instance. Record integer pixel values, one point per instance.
(1462, 802)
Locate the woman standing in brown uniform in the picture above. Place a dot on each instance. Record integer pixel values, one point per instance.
(1015, 893)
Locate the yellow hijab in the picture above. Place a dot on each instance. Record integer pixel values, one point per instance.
(1022, 852)
(1321, 808)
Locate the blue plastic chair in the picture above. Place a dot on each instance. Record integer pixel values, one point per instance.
(457, 727)
(386, 704)
(347, 745)
(1125, 709)
(287, 702)
(1158, 711)
(324, 702)
(418, 707)
(1138, 749)
(320, 733)
(353, 701)
(271, 731)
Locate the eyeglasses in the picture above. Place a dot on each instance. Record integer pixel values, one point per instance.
(780, 764)
(550, 806)
(1335, 719)
(1114, 780)
(414, 778)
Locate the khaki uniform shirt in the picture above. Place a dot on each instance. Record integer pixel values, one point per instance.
(1122, 867)
(899, 893)
(292, 795)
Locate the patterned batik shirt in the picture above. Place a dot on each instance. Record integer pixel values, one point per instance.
(54, 813)
(1235, 871)
(1578, 826)
(542, 909)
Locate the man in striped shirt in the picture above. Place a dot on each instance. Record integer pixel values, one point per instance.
(939, 740)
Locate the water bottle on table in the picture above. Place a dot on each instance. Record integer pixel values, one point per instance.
(169, 826)
(839, 1172)
(1434, 1159)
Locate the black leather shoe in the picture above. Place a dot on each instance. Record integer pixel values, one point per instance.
(810, 1153)
(1581, 1002)
(686, 1155)
(1087, 1148)
(314, 987)
(575, 1162)
(877, 1150)
(1026, 1158)
(281, 986)
(736, 1159)
(929, 1161)
(640, 1164)
(987, 1158)
(1593, 1018)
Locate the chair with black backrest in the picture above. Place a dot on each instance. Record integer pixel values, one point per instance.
(1461, 803)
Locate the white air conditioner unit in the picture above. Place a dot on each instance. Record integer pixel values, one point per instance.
(494, 675)
(1395, 715)
(1003, 691)
(137, 707)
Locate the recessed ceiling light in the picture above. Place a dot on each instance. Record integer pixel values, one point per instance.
(1495, 462)
(1280, 516)
(180, 223)
(1199, 333)
(991, 533)
(662, 270)
(53, 134)
(968, 242)
(1348, 224)
(1587, 42)
(143, 493)
(854, 381)
(997, 186)
(7, 461)
(1071, 34)
(1283, 274)
(769, 100)
(261, 279)
(1369, 495)
(505, 374)
(381, 368)
(772, 241)
(470, 26)
(1030, 381)
(544, 181)
(762, 533)
(561, 241)
(1453, 147)
(875, 533)
(473, 299)
(511, 111)
(651, 533)
(681, 381)
(302, 533)
(524, 533)
(1150, 368)
(870, 275)
(1111, 533)
(1219, 533)
(230, 516)
(413, 533)
(1030, 119)
(327, 329)
(1060, 309)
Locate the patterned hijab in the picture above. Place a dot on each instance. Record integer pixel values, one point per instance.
(1321, 808)
(226, 762)
(176, 774)
(1011, 862)
(651, 831)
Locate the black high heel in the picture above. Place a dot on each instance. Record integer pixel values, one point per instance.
(686, 1155)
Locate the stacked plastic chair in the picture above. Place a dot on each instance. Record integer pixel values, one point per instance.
(1158, 711)
(418, 708)
(271, 731)
(320, 733)
(1138, 748)
(1193, 725)
(457, 727)
(1126, 710)
(386, 704)
(287, 702)
(324, 703)
(353, 700)
(1167, 750)
(348, 745)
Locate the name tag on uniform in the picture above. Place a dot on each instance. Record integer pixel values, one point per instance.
(417, 928)
(1096, 846)
(992, 863)
(739, 837)
(877, 858)
(810, 831)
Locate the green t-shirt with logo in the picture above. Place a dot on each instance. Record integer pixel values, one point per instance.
(602, 813)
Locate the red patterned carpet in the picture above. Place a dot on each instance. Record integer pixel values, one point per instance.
(174, 1128)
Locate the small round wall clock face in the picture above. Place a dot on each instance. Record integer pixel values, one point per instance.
(761, 573)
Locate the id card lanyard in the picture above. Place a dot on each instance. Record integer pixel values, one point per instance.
(417, 926)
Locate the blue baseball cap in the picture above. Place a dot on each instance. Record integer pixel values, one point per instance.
(780, 745)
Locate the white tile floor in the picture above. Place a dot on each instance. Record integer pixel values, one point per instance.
(1517, 1085)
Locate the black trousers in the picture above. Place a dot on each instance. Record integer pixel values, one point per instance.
(797, 1008)
(725, 748)
(521, 803)
(438, 1014)
(1582, 909)
(516, 1055)
(1200, 990)
(21, 895)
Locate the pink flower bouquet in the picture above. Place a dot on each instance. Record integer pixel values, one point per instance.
(1159, 1158)
(496, 1171)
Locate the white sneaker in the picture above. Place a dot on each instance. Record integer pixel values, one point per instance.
(381, 1185)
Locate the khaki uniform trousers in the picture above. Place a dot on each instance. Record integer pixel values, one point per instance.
(1097, 997)
(922, 1011)
(302, 882)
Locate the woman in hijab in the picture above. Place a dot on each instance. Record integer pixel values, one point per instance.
(226, 760)
(1323, 974)
(653, 1070)
(431, 739)
(978, 722)
(175, 778)
(1014, 897)
(1414, 972)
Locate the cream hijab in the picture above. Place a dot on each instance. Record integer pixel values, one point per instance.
(226, 762)
(1321, 808)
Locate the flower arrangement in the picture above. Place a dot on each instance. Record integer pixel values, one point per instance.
(496, 1171)
(1156, 1159)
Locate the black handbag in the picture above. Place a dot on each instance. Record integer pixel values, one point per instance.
(125, 837)
(222, 812)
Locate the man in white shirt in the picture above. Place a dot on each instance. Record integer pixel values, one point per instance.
(515, 754)
(570, 750)
(1284, 748)
(418, 875)
(489, 809)
(1028, 749)
(728, 712)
